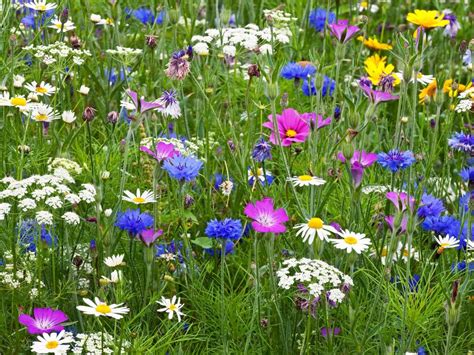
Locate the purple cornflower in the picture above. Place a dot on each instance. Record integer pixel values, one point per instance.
(162, 151)
(169, 104)
(178, 66)
(359, 161)
(46, 320)
(309, 88)
(430, 206)
(319, 17)
(297, 71)
(134, 222)
(226, 229)
(462, 142)
(182, 167)
(375, 96)
(396, 160)
(148, 236)
(262, 151)
(343, 31)
(141, 105)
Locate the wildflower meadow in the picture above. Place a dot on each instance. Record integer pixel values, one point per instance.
(236, 177)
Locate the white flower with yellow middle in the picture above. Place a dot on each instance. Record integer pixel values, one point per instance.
(314, 226)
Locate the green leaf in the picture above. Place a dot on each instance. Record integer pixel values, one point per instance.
(203, 242)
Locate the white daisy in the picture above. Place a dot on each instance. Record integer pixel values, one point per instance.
(68, 116)
(115, 277)
(100, 308)
(40, 5)
(314, 226)
(306, 180)
(351, 241)
(41, 88)
(170, 306)
(43, 113)
(446, 242)
(138, 198)
(59, 27)
(404, 253)
(114, 260)
(52, 343)
(18, 101)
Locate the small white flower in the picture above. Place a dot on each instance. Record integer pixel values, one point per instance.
(351, 241)
(27, 204)
(114, 260)
(52, 343)
(446, 242)
(115, 277)
(171, 306)
(306, 180)
(68, 116)
(84, 90)
(108, 212)
(72, 199)
(44, 217)
(71, 218)
(201, 48)
(99, 308)
(18, 81)
(41, 88)
(40, 5)
(43, 113)
(139, 198)
(314, 226)
(60, 27)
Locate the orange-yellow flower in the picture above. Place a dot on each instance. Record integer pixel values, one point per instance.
(429, 91)
(376, 69)
(427, 19)
(374, 44)
(454, 90)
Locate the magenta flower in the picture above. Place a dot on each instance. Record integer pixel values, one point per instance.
(162, 151)
(292, 128)
(359, 162)
(376, 96)
(265, 218)
(142, 105)
(401, 200)
(148, 236)
(391, 223)
(343, 31)
(317, 120)
(46, 320)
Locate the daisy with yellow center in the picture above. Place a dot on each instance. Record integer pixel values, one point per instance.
(453, 89)
(41, 88)
(404, 252)
(427, 19)
(18, 101)
(139, 198)
(99, 309)
(383, 255)
(171, 306)
(314, 226)
(52, 343)
(374, 44)
(306, 180)
(429, 91)
(446, 242)
(40, 5)
(377, 68)
(43, 113)
(60, 27)
(351, 241)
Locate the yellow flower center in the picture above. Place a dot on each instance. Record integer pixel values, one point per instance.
(18, 101)
(364, 4)
(406, 253)
(384, 252)
(41, 117)
(351, 240)
(41, 7)
(103, 308)
(138, 200)
(305, 178)
(315, 223)
(172, 307)
(444, 245)
(290, 133)
(41, 89)
(52, 344)
(109, 21)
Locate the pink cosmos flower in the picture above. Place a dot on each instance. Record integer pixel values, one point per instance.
(343, 31)
(292, 128)
(142, 105)
(46, 320)
(162, 151)
(359, 161)
(148, 236)
(401, 200)
(317, 120)
(265, 218)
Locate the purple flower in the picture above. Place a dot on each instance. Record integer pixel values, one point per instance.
(46, 320)
(376, 96)
(182, 167)
(178, 66)
(169, 104)
(401, 200)
(402, 228)
(318, 18)
(451, 30)
(359, 161)
(333, 331)
(141, 105)
(430, 206)
(265, 218)
(162, 151)
(343, 31)
(262, 151)
(462, 142)
(133, 221)
(292, 128)
(297, 71)
(148, 236)
(309, 87)
(226, 229)
(396, 160)
(316, 120)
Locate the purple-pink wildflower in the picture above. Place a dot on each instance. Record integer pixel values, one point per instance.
(265, 218)
(46, 320)
(292, 128)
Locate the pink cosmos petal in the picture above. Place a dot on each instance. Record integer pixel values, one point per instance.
(367, 159)
(281, 215)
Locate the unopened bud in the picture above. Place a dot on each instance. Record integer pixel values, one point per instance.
(88, 114)
(253, 71)
(150, 41)
(64, 16)
(112, 117)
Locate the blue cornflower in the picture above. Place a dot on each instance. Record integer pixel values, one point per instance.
(395, 160)
(461, 266)
(462, 142)
(29, 231)
(413, 283)
(464, 202)
(146, 16)
(172, 248)
(226, 229)
(181, 167)
(430, 206)
(262, 151)
(296, 71)
(467, 174)
(229, 249)
(319, 17)
(309, 87)
(133, 221)
(448, 225)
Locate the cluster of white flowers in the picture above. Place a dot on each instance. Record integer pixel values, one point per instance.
(185, 147)
(23, 276)
(124, 51)
(250, 38)
(467, 101)
(58, 50)
(70, 165)
(318, 277)
(43, 194)
(95, 343)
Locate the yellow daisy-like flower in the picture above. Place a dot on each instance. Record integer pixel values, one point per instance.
(377, 68)
(429, 91)
(427, 19)
(374, 44)
(454, 90)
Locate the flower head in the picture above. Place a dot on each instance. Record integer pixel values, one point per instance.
(133, 221)
(141, 105)
(178, 66)
(225, 229)
(401, 200)
(297, 71)
(351, 241)
(169, 105)
(265, 218)
(262, 151)
(374, 44)
(359, 161)
(139, 198)
(149, 236)
(102, 309)
(40, 5)
(292, 128)
(446, 242)
(328, 87)
(171, 306)
(46, 320)
(462, 142)
(430, 206)
(114, 260)
(375, 96)
(343, 31)
(427, 19)
(181, 167)
(396, 160)
(306, 180)
(314, 226)
(319, 17)
(162, 151)
(52, 343)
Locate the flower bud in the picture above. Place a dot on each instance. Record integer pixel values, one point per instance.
(88, 114)
(112, 117)
(272, 91)
(150, 41)
(64, 16)
(253, 70)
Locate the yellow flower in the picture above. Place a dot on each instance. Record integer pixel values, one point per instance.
(429, 91)
(427, 19)
(454, 90)
(376, 68)
(374, 44)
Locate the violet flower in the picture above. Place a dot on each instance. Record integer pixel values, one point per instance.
(401, 200)
(141, 105)
(148, 236)
(402, 228)
(162, 151)
(315, 120)
(376, 96)
(343, 31)
(359, 161)
(46, 320)
(265, 218)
